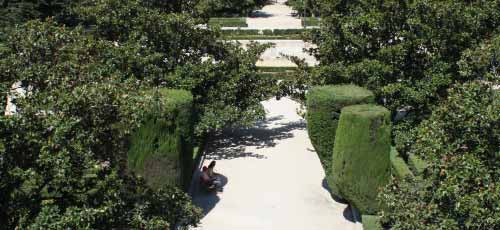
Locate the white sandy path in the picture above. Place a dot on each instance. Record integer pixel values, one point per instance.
(273, 56)
(274, 16)
(274, 179)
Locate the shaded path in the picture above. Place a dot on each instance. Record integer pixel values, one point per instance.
(274, 179)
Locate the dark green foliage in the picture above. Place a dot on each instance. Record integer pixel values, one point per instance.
(161, 150)
(461, 185)
(361, 157)
(371, 222)
(228, 8)
(324, 104)
(305, 7)
(228, 22)
(399, 167)
(407, 52)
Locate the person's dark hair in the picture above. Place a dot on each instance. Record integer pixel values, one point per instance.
(212, 164)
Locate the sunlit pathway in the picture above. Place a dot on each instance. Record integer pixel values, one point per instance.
(274, 56)
(273, 179)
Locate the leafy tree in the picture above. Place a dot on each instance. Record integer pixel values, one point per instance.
(218, 8)
(460, 141)
(460, 189)
(405, 51)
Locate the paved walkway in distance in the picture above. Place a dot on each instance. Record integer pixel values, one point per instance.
(273, 180)
(274, 56)
(274, 16)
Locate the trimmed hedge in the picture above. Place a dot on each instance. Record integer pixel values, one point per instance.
(371, 222)
(399, 167)
(324, 104)
(416, 164)
(228, 22)
(361, 157)
(161, 149)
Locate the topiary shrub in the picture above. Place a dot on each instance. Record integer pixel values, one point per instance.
(361, 162)
(323, 110)
(161, 150)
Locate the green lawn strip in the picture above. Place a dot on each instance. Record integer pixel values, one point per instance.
(371, 222)
(276, 68)
(286, 34)
(228, 22)
(310, 21)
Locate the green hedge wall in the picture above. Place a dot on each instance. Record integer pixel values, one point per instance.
(399, 167)
(161, 149)
(324, 104)
(361, 157)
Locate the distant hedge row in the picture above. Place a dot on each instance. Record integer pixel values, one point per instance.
(266, 32)
(161, 150)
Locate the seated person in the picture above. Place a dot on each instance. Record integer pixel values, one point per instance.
(205, 179)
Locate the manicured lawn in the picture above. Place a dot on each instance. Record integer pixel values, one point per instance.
(310, 21)
(228, 22)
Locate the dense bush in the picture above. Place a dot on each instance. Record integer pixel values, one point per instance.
(361, 163)
(461, 185)
(323, 111)
(161, 150)
(224, 8)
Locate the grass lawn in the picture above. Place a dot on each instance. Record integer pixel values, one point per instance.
(228, 22)
(310, 21)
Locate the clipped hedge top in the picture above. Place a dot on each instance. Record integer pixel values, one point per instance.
(338, 96)
(366, 110)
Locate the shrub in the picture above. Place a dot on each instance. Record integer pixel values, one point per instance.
(399, 167)
(161, 150)
(323, 110)
(361, 162)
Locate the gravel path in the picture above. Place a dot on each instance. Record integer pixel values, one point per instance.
(272, 179)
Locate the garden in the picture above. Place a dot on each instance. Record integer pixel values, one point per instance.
(121, 97)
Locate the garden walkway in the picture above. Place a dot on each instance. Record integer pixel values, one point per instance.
(272, 177)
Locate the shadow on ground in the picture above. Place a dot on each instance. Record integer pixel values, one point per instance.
(231, 143)
(260, 14)
(207, 200)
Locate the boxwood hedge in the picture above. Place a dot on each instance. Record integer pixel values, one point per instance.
(361, 161)
(324, 104)
(161, 150)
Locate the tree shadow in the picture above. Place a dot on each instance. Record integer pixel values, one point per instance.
(231, 143)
